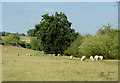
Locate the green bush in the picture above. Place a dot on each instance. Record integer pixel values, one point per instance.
(22, 43)
(27, 45)
(104, 43)
(73, 48)
(100, 45)
(35, 45)
(11, 39)
(0, 41)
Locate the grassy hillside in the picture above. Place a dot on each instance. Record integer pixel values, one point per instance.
(22, 38)
(25, 38)
(53, 68)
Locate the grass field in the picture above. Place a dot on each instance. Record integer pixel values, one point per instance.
(25, 38)
(22, 38)
(53, 68)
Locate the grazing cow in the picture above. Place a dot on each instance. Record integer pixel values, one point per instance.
(91, 58)
(30, 55)
(83, 58)
(96, 57)
(71, 57)
(27, 54)
(53, 54)
(17, 54)
(58, 55)
(100, 57)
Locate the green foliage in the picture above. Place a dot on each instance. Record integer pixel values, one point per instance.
(7, 33)
(11, 39)
(0, 40)
(35, 45)
(22, 34)
(17, 34)
(3, 33)
(74, 47)
(100, 45)
(105, 43)
(0, 33)
(31, 32)
(55, 33)
(22, 43)
(27, 45)
(105, 30)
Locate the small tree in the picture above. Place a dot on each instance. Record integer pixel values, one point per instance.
(22, 34)
(31, 32)
(35, 45)
(74, 47)
(11, 39)
(105, 30)
(3, 33)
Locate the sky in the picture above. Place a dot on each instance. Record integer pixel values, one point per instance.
(86, 17)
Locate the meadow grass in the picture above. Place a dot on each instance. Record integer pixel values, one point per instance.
(53, 68)
(25, 38)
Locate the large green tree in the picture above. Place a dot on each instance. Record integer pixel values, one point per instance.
(55, 33)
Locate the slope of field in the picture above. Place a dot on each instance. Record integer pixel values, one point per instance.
(22, 38)
(25, 38)
(53, 68)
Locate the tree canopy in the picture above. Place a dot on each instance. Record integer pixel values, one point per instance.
(55, 33)
(31, 32)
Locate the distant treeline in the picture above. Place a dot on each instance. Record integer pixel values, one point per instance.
(14, 40)
(3, 33)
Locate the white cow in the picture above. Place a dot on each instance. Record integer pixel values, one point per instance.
(53, 54)
(71, 57)
(92, 58)
(100, 57)
(27, 54)
(96, 57)
(83, 58)
(30, 55)
(58, 55)
(17, 54)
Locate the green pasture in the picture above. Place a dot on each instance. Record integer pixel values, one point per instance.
(53, 68)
